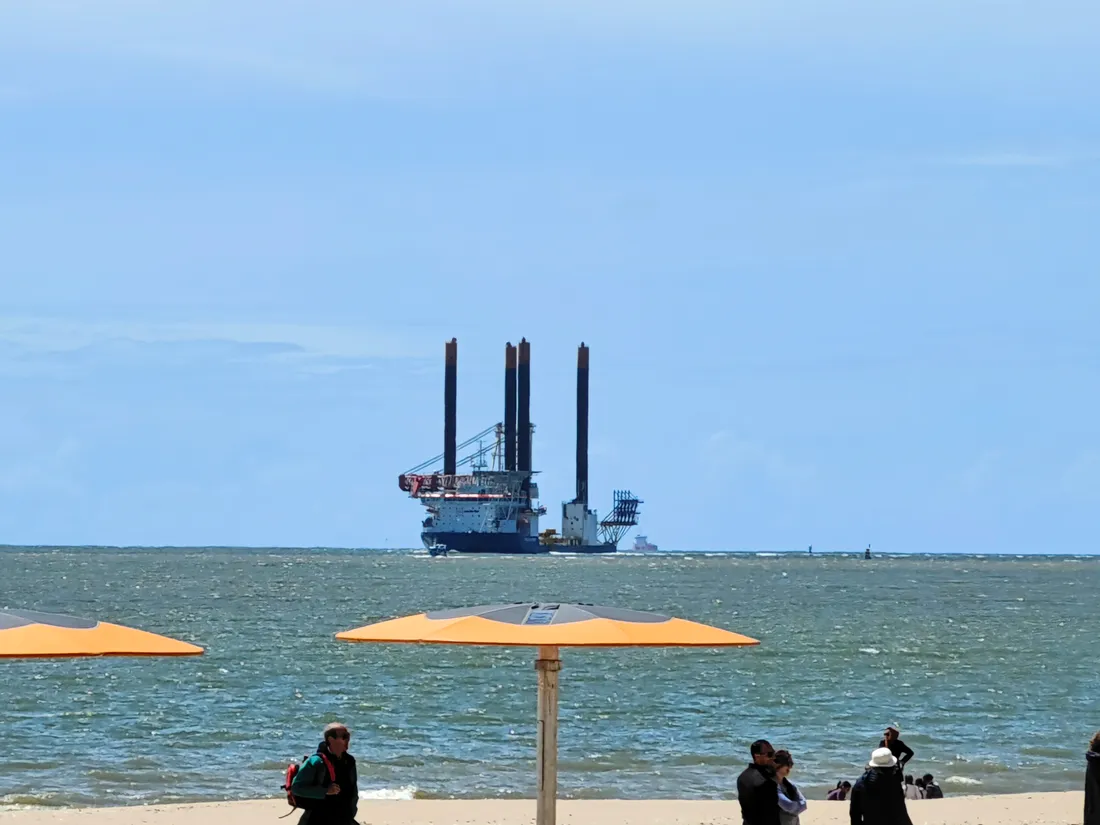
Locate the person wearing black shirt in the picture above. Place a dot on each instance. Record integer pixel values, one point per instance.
(1092, 782)
(931, 789)
(902, 752)
(757, 790)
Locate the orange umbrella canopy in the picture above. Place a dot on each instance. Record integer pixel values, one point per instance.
(548, 627)
(580, 625)
(30, 634)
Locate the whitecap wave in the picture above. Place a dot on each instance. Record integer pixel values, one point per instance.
(403, 792)
(874, 651)
(962, 780)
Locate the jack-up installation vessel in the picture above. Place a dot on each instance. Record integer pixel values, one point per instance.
(492, 505)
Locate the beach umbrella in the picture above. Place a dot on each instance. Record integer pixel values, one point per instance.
(30, 634)
(547, 627)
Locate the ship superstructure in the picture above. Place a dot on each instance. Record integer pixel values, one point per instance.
(487, 501)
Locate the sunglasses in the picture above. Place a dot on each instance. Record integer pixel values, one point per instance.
(345, 736)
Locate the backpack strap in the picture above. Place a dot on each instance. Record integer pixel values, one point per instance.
(331, 768)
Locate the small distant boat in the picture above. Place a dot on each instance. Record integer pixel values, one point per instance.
(642, 545)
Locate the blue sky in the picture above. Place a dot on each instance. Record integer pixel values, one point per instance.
(837, 264)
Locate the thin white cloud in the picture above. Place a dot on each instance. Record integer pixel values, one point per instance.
(727, 453)
(427, 24)
(1019, 159)
(13, 94)
(46, 335)
(416, 46)
(1081, 479)
(983, 472)
(39, 466)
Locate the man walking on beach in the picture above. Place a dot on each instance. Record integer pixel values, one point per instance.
(327, 783)
(757, 790)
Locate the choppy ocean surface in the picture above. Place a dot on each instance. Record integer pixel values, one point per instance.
(989, 664)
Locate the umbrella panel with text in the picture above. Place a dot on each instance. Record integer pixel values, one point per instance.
(31, 634)
(547, 627)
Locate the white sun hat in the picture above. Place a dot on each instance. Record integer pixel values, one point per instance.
(882, 758)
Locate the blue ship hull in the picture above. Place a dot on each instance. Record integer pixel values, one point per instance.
(584, 548)
(512, 544)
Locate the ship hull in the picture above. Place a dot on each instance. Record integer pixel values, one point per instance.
(509, 544)
(583, 549)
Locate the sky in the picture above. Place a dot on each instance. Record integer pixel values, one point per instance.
(837, 265)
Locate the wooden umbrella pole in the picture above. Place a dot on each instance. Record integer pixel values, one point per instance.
(548, 664)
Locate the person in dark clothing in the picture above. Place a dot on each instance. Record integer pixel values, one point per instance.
(840, 792)
(931, 789)
(757, 790)
(334, 799)
(902, 752)
(1092, 782)
(877, 797)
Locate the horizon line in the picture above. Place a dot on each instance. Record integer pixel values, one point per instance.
(417, 550)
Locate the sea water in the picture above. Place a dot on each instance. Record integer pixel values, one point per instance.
(988, 665)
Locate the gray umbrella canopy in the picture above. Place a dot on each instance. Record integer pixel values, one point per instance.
(543, 614)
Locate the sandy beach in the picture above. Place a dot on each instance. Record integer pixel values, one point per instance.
(1014, 809)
